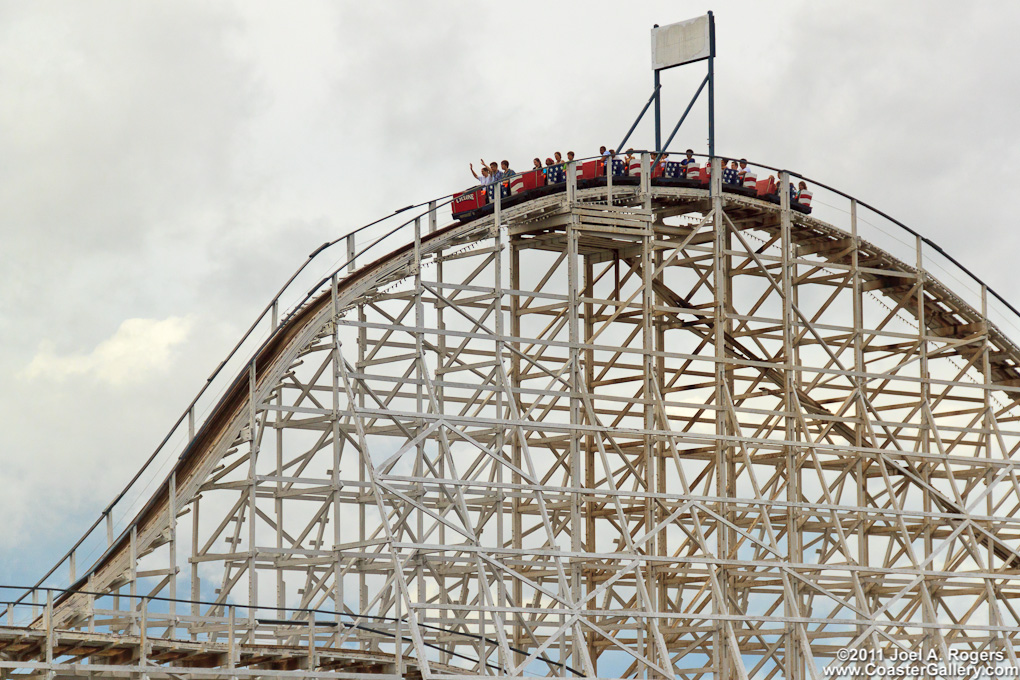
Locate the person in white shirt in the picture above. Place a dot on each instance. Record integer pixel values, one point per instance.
(485, 179)
(743, 169)
(659, 162)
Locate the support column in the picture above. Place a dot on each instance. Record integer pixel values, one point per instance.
(861, 414)
(721, 663)
(172, 554)
(576, 470)
(503, 413)
(334, 478)
(419, 424)
(648, 393)
(516, 529)
(590, 504)
(364, 491)
(441, 365)
(253, 586)
(794, 658)
(929, 642)
(196, 583)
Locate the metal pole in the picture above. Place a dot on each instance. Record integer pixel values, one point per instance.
(641, 115)
(658, 112)
(690, 105)
(711, 85)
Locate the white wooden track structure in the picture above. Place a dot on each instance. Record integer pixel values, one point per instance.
(625, 431)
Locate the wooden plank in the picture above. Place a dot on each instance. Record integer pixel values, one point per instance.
(824, 246)
(959, 329)
(884, 284)
(635, 232)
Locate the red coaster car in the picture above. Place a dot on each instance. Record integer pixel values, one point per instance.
(469, 200)
(588, 170)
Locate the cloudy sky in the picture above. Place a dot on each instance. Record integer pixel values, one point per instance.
(164, 167)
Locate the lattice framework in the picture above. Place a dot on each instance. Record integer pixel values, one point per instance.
(624, 432)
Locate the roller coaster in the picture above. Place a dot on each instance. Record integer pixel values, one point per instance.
(623, 429)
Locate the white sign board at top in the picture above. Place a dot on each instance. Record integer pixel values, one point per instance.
(680, 43)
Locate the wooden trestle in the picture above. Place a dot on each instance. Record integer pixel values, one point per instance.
(625, 431)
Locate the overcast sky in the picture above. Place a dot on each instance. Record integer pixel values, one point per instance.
(164, 167)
